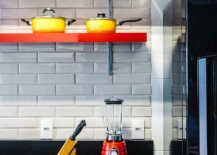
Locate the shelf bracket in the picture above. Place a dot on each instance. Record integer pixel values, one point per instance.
(110, 59)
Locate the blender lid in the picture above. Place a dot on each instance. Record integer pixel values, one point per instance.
(113, 101)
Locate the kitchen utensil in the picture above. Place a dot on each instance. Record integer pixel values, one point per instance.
(103, 24)
(48, 23)
(114, 143)
(68, 147)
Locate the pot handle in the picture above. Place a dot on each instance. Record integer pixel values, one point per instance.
(128, 21)
(70, 21)
(48, 9)
(26, 21)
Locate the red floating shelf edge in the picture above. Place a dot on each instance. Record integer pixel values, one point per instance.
(73, 37)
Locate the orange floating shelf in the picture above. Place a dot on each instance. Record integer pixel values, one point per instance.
(73, 37)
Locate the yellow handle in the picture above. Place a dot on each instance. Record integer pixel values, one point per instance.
(73, 152)
(67, 147)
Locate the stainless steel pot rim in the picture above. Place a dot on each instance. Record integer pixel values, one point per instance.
(49, 16)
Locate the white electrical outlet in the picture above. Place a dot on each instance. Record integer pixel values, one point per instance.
(138, 129)
(46, 127)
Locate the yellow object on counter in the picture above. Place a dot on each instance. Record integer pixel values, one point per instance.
(101, 25)
(68, 148)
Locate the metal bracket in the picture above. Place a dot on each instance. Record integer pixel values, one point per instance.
(110, 59)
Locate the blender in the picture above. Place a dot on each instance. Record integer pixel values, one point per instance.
(114, 143)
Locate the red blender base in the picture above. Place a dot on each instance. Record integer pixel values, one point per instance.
(114, 148)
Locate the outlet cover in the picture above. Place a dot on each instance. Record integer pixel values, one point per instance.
(46, 129)
(138, 129)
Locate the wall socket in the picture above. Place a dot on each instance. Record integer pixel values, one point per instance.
(138, 129)
(46, 129)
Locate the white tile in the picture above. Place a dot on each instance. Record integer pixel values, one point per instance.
(6, 134)
(18, 13)
(9, 68)
(36, 4)
(148, 134)
(101, 47)
(117, 68)
(36, 90)
(141, 3)
(74, 67)
(18, 100)
(36, 111)
(37, 68)
(100, 134)
(18, 79)
(134, 13)
(90, 100)
(8, 4)
(18, 123)
(141, 67)
(75, 3)
(142, 47)
(8, 47)
(74, 89)
(18, 57)
(56, 100)
(89, 13)
(142, 100)
(92, 122)
(93, 78)
(29, 134)
(141, 89)
(112, 89)
(56, 79)
(55, 57)
(132, 78)
(74, 111)
(64, 122)
(132, 57)
(142, 111)
(8, 90)
(91, 57)
(75, 47)
(122, 47)
(36, 47)
(8, 112)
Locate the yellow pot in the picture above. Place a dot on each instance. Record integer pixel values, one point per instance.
(48, 23)
(101, 24)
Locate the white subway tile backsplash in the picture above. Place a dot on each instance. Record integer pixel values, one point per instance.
(90, 100)
(90, 13)
(8, 68)
(132, 57)
(18, 57)
(112, 89)
(18, 100)
(75, 47)
(101, 47)
(37, 90)
(8, 112)
(63, 122)
(142, 100)
(100, 134)
(18, 13)
(6, 134)
(37, 111)
(122, 47)
(141, 111)
(8, 47)
(37, 68)
(8, 90)
(29, 133)
(141, 89)
(18, 79)
(74, 67)
(55, 57)
(134, 13)
(93, 78)
(116, 3)
(74, 89)
(8, 4)
(36, 3)
(92, 122)
(140, 67)
(117, 68)
(148, 134)
(75, 3)
(18, 123)
(36, 47)
(74, 111)
(141, 3)
(132, 78)
(56, 79)
(56, 100)
(91, 57)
